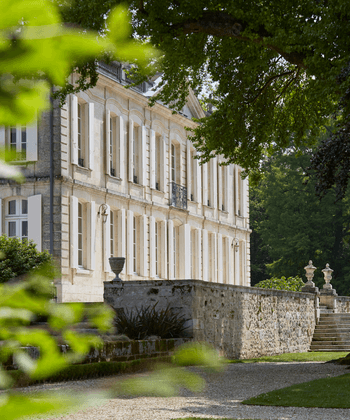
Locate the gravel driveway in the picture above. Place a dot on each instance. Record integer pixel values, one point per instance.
(222, 397)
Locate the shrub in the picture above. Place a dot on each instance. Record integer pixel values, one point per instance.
(140, 323)
(293, 284)
(20, 257)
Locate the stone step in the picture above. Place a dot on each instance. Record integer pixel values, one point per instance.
(331, 343)
(335, 347)
(335, 350)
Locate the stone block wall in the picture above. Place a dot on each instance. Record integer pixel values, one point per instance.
(242, 322)
(342, 304)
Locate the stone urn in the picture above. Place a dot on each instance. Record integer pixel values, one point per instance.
(117, 264)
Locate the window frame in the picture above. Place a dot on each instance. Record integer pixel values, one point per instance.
(19, 217)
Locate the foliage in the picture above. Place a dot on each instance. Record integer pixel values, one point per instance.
(325, 393)
(20, 303)
(21, 256)
(32, 33)
(293, 284)
(312, 356)
(294, 226)
(271, 69)
(330, 165)
(168, 379)
(147, 321)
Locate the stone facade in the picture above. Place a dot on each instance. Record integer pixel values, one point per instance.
(127, 184)
(242, 322)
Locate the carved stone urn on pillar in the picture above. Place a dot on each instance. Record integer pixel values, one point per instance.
(117, 264)
(309, 285)
(327, 293)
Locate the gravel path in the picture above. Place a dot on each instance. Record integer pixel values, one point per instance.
(221, 398)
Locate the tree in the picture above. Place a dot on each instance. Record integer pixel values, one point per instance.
(273, 66)
(295, 226)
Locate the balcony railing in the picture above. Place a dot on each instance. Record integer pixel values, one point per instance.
(178, 196)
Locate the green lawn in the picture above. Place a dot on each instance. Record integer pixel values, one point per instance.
(324, 393)
(314, 356)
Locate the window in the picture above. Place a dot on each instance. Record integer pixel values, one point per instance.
(156, 252)
(21, 141)
(82, 145)
(239, 194)
(135, 244)
(158, 161)
(135, 154)
(173, 163)
(223, 170)
(115, 137)
(81, 134)
(16, 218)
(112, 146)
(209, 183)
(193, 175)
(80, 235)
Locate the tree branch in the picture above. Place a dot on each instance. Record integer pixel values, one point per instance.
(268, 83)
(221, 24)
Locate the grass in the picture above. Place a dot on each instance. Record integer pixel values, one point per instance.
(323, 393)
(314, 356)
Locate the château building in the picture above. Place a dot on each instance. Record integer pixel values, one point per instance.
(125, 183)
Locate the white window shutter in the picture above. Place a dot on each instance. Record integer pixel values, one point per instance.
(107, 240)
(120, 147)
(184, 251)
(131, 155)
(32, 142)
(198, 253)
(142, 155)
(152, 140)
(205, 183)
(245, 193)
(0, 216)
(152, 245)
(129, 242)
(171, 249)
(143, 246)
(74, 231)
(227, 261)
(237, 180)
(163, 250)
(205, 255)
(214, 177)
(91, 134)
(2, 137)
(198, 182)
(162, 156)
(74, 142)
(226, 199)
(189, 167)
(108, 140)
(121, 236)
(34, 220)
(92, 235)
(219, 258)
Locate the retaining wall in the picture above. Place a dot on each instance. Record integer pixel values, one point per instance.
(242, 322)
